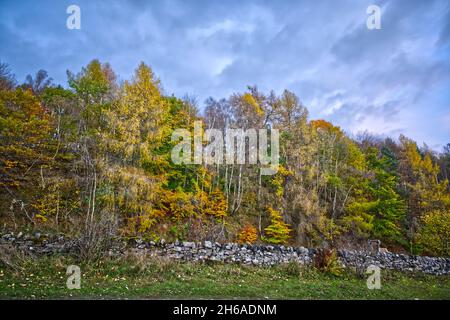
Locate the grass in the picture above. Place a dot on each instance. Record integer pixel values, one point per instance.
(152, 278)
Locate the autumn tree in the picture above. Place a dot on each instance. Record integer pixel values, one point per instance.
(95, 158)
(277, 232)
(25, 148)
(425, 193)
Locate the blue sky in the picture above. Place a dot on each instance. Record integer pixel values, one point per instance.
(389, 81)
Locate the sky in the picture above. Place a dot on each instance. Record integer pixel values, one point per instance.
(389, 81)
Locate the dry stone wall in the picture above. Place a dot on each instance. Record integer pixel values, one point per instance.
(259, 255)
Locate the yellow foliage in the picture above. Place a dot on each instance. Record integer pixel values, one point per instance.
(177, 204)
(278, 231)
(214, 204)
(250, 101)
(138, 120)
(435, 234)
(279, 179)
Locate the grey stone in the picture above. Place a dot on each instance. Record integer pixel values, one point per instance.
(234, 253)
(208, 244)
(189, 244)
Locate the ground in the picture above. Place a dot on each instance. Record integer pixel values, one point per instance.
(134, 277)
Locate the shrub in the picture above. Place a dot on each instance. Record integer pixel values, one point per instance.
(12, 258)
(94, 241)
(293, 269)
(435, 234)
(326, 260)
(248, 235)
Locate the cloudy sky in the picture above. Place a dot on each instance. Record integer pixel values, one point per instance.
(389, 81)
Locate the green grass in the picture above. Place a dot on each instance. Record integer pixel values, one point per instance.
(135, 277)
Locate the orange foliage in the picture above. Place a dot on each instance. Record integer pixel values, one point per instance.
(323, 125)
(248, 234)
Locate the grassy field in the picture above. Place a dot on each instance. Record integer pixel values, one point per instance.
(134, 277)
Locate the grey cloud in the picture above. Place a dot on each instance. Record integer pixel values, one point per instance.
(320, 50)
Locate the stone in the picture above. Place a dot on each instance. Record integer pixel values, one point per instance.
(189, 244)
(232, 252)
(208, 244)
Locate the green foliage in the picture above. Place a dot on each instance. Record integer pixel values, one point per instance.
(378, 210)
(434, 236)
(140, 276)
(99, 153)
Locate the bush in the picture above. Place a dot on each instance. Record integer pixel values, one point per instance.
(435, 234)
(95, 241)
(12, 258)
(293, 269)
(248, 235)
(326, 260)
